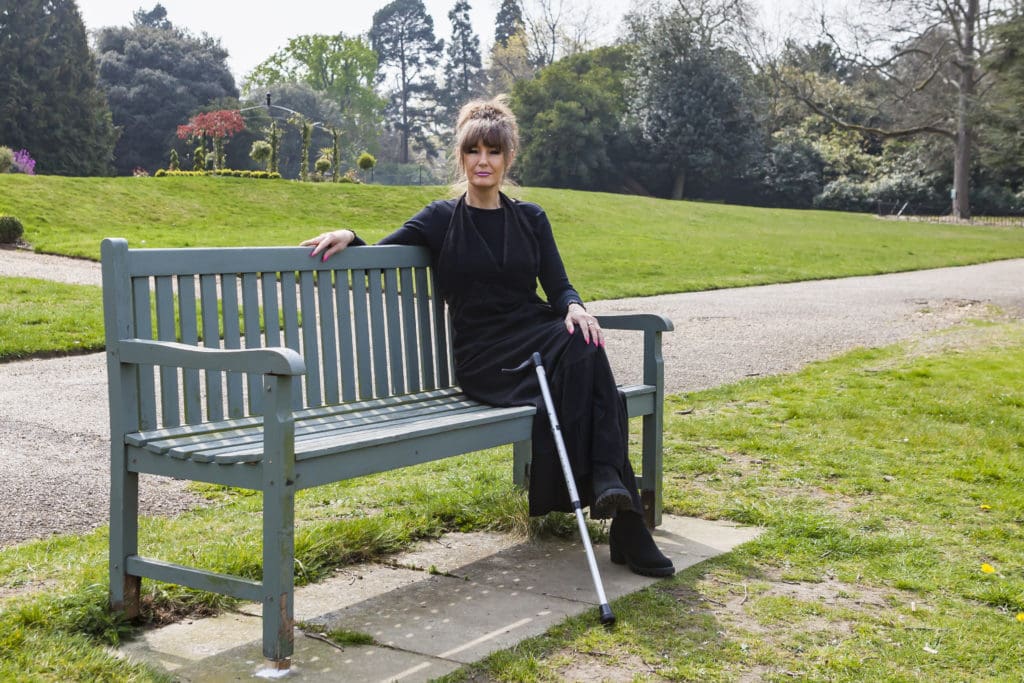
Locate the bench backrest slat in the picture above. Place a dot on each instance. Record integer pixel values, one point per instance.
(290, 316)
(378, 343)
(365, 323)
(410, 348)
(251, 311)
(208, 305)
(189, 321)
(144, 325)
(328, 337)
(166, 331)
(392, 306)
(310, 343)
(232, 340)
(424, 328)
(346, 348)
(361, 330)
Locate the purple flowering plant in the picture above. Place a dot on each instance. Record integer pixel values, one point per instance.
(24, 162)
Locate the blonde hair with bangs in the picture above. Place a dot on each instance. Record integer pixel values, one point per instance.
(490, 121)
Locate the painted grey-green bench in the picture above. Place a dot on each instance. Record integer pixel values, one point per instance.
(265, 369)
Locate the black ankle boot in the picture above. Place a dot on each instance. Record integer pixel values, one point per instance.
(610, 493)
(631, 544)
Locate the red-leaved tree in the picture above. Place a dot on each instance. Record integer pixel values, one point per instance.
(218, 125)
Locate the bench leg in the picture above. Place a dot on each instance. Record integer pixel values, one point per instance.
(278, 523)
(651, 463)
(279, 574)
(522, 454)
(124, 536)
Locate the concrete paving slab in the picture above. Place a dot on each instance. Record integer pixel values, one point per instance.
(493, 591)
(317, 661)
(452, 618)
(350, 586)
(559, 567)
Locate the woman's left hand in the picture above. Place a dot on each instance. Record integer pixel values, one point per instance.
(588, 324)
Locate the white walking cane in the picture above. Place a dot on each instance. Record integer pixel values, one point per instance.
(607, 617)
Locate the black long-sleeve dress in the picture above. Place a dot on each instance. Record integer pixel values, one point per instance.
(488, 263)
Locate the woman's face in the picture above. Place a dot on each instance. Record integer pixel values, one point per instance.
(485, 166)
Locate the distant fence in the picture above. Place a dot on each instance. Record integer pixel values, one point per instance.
(1007, 221)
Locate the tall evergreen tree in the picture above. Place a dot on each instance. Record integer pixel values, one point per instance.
(509, 21)
(579, 101)
(402, 35)
(49, 100)
(692, 102)
(156, 76)
(464, 77)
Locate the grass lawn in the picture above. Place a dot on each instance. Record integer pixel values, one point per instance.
(889, 482)
(39, 317)
(614, 245)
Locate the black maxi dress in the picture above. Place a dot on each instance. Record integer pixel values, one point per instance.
(488, 263)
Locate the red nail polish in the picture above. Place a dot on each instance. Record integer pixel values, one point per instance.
(324, 259)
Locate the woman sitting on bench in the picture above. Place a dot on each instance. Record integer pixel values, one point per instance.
(489, 251)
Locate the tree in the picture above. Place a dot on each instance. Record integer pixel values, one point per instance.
(261, 152)
(552, 32)
(464, 77)
(509, 21)
(1003, 133)
(156, 76)
(342, 68)
(510, 63)
(571, 116)
(217, 125)
(50, 103)
(930, 56)
(402, 35)
(691, 99)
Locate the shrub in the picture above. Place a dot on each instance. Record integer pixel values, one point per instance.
(11, 230)
(350, 177)
(366, 161)
(174, 163)
(261, 152)
(6, 159)
(232, 173)
(24, 162)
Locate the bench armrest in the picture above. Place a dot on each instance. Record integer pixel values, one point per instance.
(652, 325)
(267, 361)
(647, 322)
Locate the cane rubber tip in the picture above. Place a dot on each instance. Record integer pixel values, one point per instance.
(607, 617)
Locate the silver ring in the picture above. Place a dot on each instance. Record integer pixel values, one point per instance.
(590, 324)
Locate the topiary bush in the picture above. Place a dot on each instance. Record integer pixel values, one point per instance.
(11, 230)
(6, 159)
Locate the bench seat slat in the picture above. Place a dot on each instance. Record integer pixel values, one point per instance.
(305, 429)
(354, 439)
(341, 440)
(143, 439)
(322, 431)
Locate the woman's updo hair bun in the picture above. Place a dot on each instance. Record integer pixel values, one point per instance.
(490, 121)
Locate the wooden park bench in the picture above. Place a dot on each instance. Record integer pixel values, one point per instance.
(265, 369)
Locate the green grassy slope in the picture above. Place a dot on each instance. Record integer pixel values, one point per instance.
(613, 245)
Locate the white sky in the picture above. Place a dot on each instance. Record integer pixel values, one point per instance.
(252, 30)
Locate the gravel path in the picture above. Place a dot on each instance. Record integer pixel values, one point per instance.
(720, 337)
